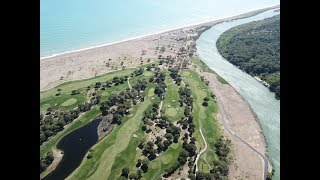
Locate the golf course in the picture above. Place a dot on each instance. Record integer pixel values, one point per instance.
(153, 124)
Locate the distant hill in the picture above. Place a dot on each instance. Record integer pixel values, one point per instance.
(255, 48)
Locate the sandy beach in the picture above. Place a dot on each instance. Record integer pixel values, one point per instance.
(95, 61)
(89, 62)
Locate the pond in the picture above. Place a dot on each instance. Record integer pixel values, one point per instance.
(74, 146)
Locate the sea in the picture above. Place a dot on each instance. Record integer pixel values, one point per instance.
(69, 25)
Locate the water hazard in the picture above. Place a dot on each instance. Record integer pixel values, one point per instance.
(75, 146)
(261, 100)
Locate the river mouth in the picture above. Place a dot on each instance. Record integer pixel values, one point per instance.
(75, 145)
(261, 100)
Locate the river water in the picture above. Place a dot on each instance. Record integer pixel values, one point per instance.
(261, 100)
(75, 146)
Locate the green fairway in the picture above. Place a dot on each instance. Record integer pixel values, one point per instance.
(165, 160)
(148, 74)
(69, 102)
(104, 93)
(170, 102)
(171, 112)
(105, 151)
(151, 92)
(204, 119)
(129, 156)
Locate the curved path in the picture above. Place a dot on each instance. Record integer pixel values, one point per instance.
(243, 141)
(201, 150)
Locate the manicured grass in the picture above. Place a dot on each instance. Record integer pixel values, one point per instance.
(171, 112)
(105, 152)
(130, 156)
(104, 93)
(204, 119)
(170, 103)
(151, 92)
(69, 102)
(148, 73)
(165, 160)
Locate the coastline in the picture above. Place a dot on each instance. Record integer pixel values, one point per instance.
(92, 61)
(214, 21)
(67, 62)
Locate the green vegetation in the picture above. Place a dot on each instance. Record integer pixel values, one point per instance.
(204, 118)
(255, 48)
(154, 141)
(206, 68)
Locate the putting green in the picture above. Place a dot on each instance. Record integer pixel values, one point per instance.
(155, 165)
(174, 145)
(69, 102)
(171, 112)
(151, 92)
(186, 73)
(104, 94)
(167, 159)
(148, 74)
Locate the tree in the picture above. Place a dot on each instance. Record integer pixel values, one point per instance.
(205, 104)
(206, 99)
(125, 171)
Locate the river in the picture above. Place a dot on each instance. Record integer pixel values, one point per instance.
(261, 100)
(74, 146)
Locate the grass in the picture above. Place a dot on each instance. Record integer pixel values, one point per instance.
(165, 160)
(170, 103)
(205, 68)
(83, 120)
(130, 156)
(148, 73)
(105, 152)
(171, 112)
(204, 119)
(69, 102)
(151, 92)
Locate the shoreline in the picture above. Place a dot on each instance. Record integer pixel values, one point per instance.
(192, 25)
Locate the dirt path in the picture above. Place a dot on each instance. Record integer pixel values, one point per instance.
(236, 117)
(201, 150)
(243, 141)
(159, 113)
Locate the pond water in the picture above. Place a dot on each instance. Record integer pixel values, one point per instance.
(75, 146)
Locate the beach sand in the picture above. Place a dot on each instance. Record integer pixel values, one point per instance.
(132, 53)
(99, 60)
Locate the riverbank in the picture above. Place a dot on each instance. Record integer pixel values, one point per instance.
(94, 61)
(237, 114)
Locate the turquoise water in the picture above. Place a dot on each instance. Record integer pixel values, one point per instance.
(261, 100)
(67, 25)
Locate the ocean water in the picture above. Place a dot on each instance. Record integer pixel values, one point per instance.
(67, 25)
(261, 100)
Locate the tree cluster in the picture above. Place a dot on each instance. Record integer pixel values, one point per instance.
(255, 48)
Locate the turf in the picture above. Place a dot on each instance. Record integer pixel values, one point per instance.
(69, 102)
(106, 150)
(203, 118)
(165, 160)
